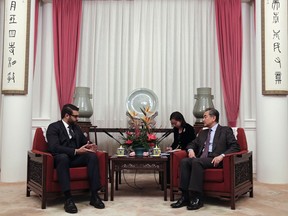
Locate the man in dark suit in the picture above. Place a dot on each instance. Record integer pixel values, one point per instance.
(70, 148)
(206, 151)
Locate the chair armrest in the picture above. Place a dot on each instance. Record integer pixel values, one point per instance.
(40, 166)
(231, 159)
(103, 167)
(179, 154)
(238, 168)
(243, 167)
(237, 153)
(38, 153)
(47, 157)
(175, 159)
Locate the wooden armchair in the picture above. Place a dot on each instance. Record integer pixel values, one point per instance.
(42, 177)
(231, 181)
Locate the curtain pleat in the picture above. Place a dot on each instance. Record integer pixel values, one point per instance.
(66, 34)
(167, 46)
(229, 32)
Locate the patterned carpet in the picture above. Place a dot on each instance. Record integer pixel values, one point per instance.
(143, 197)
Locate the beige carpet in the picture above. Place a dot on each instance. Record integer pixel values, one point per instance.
(146, 200)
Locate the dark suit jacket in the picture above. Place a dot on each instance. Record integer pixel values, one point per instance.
(224, 142)
(59, 141)
(188, 134)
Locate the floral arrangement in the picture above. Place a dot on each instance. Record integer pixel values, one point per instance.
(141, 130)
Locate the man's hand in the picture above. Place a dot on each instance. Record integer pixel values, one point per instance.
(217, 160)
(191, 154)
(89, 147)
(92, 147)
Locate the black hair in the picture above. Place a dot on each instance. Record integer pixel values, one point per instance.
(178, 117)
(213, 112)
(68, 109)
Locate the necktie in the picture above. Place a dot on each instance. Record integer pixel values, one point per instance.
(206, 147)
(71, 132)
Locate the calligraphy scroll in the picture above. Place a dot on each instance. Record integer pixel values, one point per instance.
(16, 47)
(274, 47)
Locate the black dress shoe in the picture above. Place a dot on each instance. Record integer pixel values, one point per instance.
(70, 206)
(195, 204)
(97, 202)
(180, 203)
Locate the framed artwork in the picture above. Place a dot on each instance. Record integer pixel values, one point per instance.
(16, 47)
(274, 47)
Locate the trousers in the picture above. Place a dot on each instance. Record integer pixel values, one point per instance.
(192, 173)
(63, 162)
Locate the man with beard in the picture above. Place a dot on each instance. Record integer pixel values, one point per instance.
(70, 148)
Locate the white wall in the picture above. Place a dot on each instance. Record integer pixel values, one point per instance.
(272, 121)
(48, 111)
(248, 90)
(16, 121)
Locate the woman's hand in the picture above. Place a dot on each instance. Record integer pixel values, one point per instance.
(169, 148)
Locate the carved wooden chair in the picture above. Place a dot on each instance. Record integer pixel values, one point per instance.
(229, 182)
(42, 177)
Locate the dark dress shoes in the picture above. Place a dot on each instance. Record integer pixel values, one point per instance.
(70, 206)
(195, 204)
(97, 202)
(180, 203)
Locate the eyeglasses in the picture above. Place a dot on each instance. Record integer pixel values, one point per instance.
(75, 116)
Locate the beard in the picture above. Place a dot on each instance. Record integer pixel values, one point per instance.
(71, 121)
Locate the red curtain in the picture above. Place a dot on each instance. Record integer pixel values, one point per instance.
(229, 35)
(66, 34)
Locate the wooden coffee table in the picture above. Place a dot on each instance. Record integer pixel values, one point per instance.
(138, 163)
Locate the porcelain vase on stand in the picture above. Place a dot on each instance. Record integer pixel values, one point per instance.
(82, 99)
(203, 101)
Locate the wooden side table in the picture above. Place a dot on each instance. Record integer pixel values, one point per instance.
(138, 163)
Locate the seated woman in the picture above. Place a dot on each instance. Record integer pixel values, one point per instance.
(184, 133)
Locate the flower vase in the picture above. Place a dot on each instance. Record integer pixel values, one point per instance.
(139, 151)
(156, 151)
(120, 151)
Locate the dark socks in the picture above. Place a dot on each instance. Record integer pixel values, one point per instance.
(185, 194)
(94, 194)
(67, 195)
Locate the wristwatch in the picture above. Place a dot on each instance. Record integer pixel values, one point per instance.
(223, 155)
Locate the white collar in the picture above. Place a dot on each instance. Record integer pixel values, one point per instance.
(65, 124)
(214, 127)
